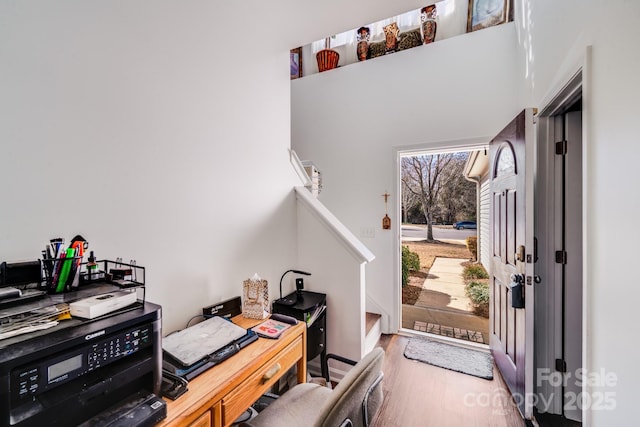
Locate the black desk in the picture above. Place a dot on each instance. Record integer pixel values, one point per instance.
(304, 308)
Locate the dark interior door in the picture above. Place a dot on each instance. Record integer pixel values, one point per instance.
(512, 257)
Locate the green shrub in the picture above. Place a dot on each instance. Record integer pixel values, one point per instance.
(413, 259)
(472, 245)
(478, 293)
(410, 261)
(475, 271)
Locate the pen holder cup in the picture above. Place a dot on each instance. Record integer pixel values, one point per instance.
(61, 274)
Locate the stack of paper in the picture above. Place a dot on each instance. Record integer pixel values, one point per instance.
(314, 316)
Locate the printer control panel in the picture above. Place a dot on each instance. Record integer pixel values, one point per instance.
(50, 372)
(107, 351)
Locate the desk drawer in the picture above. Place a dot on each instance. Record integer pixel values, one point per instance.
(238, 400)
(203, 420)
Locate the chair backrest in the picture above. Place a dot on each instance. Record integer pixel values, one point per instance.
(357, 396)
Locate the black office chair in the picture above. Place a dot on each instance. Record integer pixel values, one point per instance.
(353, 403)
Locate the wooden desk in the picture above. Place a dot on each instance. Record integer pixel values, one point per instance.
(221, 394)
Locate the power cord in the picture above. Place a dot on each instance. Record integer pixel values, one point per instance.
(188, 324)
(194, 317)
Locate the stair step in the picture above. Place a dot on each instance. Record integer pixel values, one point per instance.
(371, 320)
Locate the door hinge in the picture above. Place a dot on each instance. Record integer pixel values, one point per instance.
(561, 257)
(561, 365)
(561, 148)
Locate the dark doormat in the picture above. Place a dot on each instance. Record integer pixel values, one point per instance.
(456, 358)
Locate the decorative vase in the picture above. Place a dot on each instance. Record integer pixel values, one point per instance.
(327, 59)
(363, 43)
(391, 33)
(429, 25)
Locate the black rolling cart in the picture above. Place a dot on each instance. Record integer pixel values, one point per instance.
(310, 307)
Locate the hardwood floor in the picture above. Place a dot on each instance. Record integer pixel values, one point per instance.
(422, 395)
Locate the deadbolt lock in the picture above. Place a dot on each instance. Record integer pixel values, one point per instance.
(520, 253)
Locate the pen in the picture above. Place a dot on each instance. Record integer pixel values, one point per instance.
(57, 266)
(78, 246)
(45, 259)
(55, 245)
(66, 268)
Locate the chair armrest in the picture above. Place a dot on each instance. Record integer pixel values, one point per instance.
(339, 359)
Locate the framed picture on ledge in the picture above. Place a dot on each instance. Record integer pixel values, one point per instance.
(295, 57)
(487, 13)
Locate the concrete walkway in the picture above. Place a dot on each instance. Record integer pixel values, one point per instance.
(444, 286)
(443, 308)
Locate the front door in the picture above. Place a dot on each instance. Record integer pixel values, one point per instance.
(511, 276)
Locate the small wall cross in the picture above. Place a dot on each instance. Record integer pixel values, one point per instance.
(386, 221)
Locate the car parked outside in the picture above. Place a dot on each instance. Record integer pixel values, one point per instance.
(461, 225)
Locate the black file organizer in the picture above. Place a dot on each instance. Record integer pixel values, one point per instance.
(111, 276)
(118, 273)
(52, 277)
(34, 296)
(307, 303)
(123, 275)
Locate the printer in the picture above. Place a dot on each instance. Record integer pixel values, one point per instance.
(85, 371)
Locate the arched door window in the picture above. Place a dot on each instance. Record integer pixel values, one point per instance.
(505, 164)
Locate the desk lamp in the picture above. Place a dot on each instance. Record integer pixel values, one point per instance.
(290, 301)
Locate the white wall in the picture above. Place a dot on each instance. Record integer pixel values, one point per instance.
(554, 37)
(351, 121)
(133, 125)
